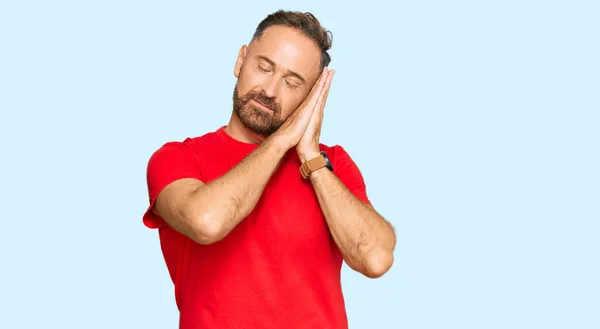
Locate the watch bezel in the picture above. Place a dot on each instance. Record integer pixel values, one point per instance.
(327, 162)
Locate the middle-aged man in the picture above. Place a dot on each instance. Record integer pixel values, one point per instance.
(256, 217)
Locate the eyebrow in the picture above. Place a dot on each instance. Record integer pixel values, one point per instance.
(266, 59)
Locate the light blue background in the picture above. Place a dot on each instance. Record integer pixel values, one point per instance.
(476, 126)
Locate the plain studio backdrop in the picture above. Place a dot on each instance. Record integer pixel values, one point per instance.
(475, 124)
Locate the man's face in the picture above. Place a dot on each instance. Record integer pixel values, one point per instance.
(275, 74)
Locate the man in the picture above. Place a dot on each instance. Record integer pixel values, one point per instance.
(256, 217)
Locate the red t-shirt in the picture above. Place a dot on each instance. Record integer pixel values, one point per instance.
(279, 268)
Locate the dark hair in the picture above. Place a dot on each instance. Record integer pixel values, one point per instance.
(306, 23)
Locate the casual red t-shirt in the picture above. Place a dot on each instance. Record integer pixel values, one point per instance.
(279, 268)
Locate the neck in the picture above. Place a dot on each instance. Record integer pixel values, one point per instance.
(239, 132)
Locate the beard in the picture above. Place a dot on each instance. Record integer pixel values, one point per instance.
(258, 120)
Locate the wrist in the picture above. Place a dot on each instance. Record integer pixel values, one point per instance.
(314, 164)
(278, 143)
(308, 155)
(317, 174)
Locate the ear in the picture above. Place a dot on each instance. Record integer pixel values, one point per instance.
(240, 61)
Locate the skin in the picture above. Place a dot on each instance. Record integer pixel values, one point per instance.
(279, 101)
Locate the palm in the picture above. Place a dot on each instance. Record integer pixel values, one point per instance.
(308, 146)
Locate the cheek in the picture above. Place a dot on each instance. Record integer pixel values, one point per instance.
(290, 104)
(248, 80)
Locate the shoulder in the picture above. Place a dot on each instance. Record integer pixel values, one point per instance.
(189, 145)
(180, 155)
(346, 169)
(336, 153)
(341, 160)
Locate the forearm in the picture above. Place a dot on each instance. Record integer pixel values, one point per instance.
(365, 239)
(224, 202)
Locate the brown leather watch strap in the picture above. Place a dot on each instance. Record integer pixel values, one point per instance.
(311, 165)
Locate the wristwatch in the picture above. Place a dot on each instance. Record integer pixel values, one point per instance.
(314, 164)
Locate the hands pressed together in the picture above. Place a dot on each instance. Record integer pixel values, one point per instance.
(303, 127)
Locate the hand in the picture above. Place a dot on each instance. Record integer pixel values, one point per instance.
(293, 128)
(308, 146)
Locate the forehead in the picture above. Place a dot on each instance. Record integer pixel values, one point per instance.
(288, 48)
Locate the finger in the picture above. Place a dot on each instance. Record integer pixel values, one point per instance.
(321, 77)
(314, 98)
(302, 115)
(323, 97)
(327, 86)
(305, 109)
(317, 118)
(314, 88)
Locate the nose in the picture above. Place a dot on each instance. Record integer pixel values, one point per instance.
(270, 87)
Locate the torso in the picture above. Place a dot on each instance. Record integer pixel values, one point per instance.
(278, 268)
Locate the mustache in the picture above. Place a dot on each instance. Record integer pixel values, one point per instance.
(262, 98)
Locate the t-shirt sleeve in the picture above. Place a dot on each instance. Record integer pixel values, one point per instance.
(173, 161)
(348, 172)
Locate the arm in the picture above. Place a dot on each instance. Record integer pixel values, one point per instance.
(206, 213)
(365, 239)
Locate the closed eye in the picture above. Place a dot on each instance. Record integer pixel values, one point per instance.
(291, 84)
(263, 69)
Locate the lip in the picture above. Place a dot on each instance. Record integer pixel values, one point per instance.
(262, 105)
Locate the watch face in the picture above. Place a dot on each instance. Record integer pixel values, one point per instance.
(327, 160)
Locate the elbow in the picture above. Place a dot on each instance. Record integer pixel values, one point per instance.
(207, 230)
(378, 264)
